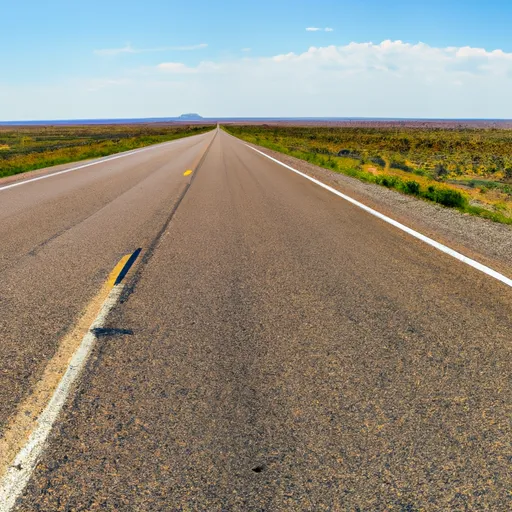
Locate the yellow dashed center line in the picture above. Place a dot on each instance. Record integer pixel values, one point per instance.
(187, 173)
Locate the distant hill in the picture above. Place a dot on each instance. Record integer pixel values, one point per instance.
(190, 117)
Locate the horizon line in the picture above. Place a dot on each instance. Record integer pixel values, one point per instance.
(248, 118)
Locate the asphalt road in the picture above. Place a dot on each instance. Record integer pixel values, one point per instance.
(289, 351)
(61, 236)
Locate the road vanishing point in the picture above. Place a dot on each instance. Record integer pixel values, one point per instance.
(193, 326)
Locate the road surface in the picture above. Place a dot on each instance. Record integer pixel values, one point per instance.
(278, 348)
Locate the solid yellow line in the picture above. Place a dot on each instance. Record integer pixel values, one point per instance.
(117, 270)
(186, 173)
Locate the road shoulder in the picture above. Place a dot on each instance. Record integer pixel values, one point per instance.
(485, 241)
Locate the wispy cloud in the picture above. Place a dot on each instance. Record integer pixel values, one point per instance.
(181, 68)
(128, 48)
(176, 67)
(246, 49)
(318, 29)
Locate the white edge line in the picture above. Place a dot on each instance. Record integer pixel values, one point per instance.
(19, 472)
(96, 162)
(457, 255)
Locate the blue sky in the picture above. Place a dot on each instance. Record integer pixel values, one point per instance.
(64, 59)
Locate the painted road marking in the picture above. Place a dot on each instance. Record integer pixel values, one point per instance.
(187, 173)
(112, 278)
(121, 270)
(24, 440)
(443, 248)
(108, 159)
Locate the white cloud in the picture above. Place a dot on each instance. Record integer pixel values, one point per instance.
(467, 51)
(176, 67)
(389, 79)
(128, 48)
(180, 68)
(318, 29)
(246, 49)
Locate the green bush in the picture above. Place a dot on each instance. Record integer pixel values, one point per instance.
(412, 187)
(446, 197)
(389, 181)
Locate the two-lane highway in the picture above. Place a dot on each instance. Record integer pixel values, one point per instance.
(282, 350)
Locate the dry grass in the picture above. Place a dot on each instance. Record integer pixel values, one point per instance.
(33, 147)
(454, 169)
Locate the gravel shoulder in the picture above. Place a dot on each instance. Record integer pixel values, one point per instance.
(485, 241)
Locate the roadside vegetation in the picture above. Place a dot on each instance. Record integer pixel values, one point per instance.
(25, 148)
(465, 168)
